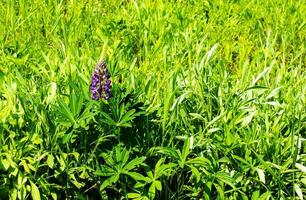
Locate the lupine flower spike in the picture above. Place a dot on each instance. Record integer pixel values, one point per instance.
(100, 83)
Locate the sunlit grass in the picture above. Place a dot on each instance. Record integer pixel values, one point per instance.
(208, 100)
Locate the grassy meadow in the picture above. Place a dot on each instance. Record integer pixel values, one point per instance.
(207, 100)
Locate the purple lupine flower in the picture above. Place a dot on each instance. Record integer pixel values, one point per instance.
(100, 82)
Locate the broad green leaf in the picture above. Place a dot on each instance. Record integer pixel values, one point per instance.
(54, 195)
(13, 194)
(133, 195)
(266, 70)
(247, 119)
(265, 196)
(255, 195)
(5, 163)
(34, 192)
(261, 175)
(242, 160)
(152, 191)
(268, 167)
(157, 185)
(50, 161)
(274, 92)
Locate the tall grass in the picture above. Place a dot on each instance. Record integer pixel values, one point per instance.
(208, 100)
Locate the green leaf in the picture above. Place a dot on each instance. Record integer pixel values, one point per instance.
(164, 169)
(107, 118)
(197, 116)
(54, 195)
(265, 196)
(128, 116)
(138, 177)
(195, 172)
(133, 163)
(123, 157)
(152, 191)
(108, 159)
(198, 161)
(50, 161)
(261, 175)
(185, 151)
(247, 119)
(65, 112)
(300, 167)
(105, 171)
(157, 185)
(109, 181)
(268, 168)
(298, 191)
(13, 194)
(224, 177)
(255, 195)
(220, 191)
(34, 192)
(166, 151)
(133, 195)
(5, 163)
(242, 160)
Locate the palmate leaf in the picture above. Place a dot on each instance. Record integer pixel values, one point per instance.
(64, 112)
(117, 164)
(128, 116)
(107, 119)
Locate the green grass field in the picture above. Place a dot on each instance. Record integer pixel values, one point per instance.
(207, 99)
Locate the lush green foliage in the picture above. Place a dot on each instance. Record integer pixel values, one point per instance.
(208, 99)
